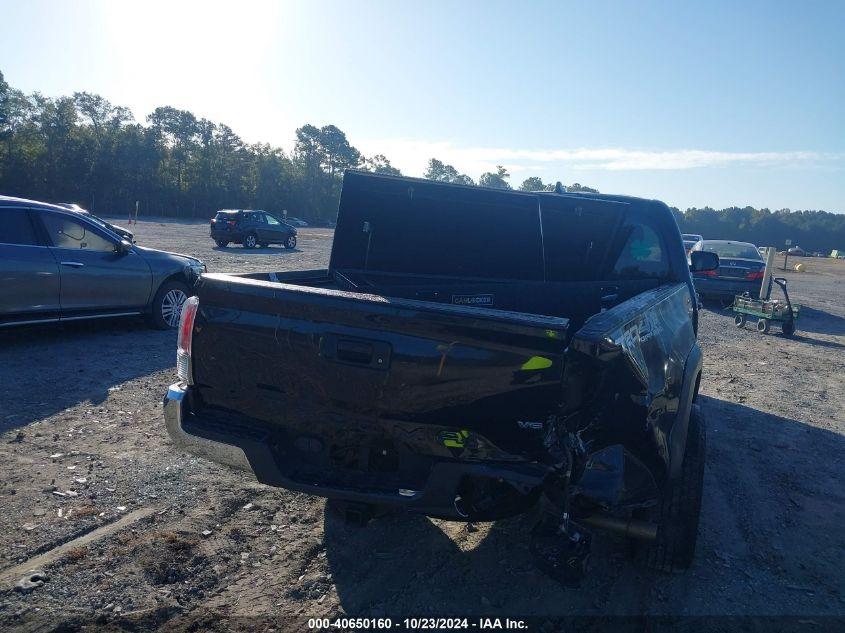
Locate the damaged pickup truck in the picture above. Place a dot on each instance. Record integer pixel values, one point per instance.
(469, 354)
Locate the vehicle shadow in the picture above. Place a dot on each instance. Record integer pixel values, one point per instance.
(44, 370)
(270, 250)
(768, 479)
(722, 304)
(820, 322)
(817, 342)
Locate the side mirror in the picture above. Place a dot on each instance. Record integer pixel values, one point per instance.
(123, 247)
(702, 261)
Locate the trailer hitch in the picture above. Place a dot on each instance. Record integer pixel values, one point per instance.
(561, 551)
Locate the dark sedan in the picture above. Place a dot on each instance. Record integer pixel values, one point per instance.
(741, 269)
(251, 228)
(61, 265)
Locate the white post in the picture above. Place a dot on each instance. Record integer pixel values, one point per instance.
(767, 274)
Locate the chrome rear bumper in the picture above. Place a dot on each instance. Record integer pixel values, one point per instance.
(174, 414)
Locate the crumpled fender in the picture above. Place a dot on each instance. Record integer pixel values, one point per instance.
(689, 391)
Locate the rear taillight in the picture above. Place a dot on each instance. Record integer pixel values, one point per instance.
(757, 274)
(705, 273)
(184, 340)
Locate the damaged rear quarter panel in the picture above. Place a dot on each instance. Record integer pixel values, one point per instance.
(624, 376)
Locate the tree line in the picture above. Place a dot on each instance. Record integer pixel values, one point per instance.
(84, 149)
(812, 230)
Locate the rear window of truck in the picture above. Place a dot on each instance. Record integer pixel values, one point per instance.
(429, 231)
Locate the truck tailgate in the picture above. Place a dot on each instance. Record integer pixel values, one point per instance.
(293, 355)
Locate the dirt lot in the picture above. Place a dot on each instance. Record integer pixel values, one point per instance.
(128, 530)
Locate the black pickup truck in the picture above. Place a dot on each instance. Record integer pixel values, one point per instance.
(468, 353)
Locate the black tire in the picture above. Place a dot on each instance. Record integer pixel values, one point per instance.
(250, 240)
(290, 242)
(680, 508)
(222, 243)
(167, 304)
(763, 326)
(788, 328)
(739, 320)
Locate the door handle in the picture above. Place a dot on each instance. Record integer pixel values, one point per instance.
(358, 352)
(354, 352)
(73, 264)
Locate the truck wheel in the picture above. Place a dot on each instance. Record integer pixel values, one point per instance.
(763, 326)
(680, 508)
(290, 242)
(250, 240)
(222, 243)
(739, 320)
(167, 304)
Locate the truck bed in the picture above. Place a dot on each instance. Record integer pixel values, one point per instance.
(299, 353)
(358, 391)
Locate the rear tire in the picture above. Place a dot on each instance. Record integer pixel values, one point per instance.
(167, 304)
(739, 320)
(250, 240)
(680, 508)
(222, 243)
(763, 326)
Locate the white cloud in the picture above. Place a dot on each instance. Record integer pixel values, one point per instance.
(412, 156)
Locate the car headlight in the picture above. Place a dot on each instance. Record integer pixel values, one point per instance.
(197, 268)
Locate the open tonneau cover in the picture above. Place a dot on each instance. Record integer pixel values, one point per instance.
(420, 227)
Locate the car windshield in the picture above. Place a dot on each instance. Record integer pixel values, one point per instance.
(740, 250)
(98, 221)
(92, 217)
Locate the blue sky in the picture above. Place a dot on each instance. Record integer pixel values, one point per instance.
(715, 103)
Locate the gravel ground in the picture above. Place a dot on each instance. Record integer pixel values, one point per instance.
(132, 533)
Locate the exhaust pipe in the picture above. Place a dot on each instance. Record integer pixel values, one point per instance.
(633, 528)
